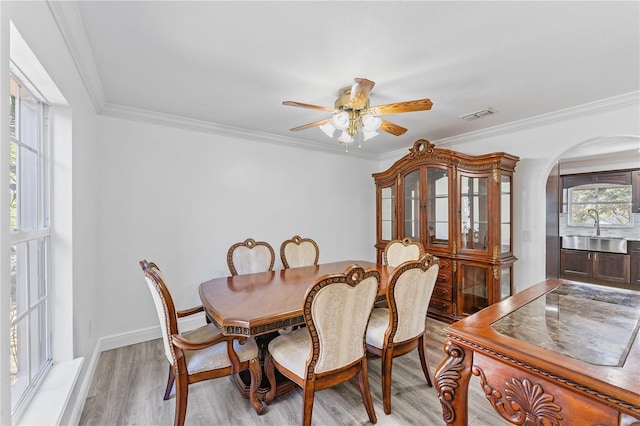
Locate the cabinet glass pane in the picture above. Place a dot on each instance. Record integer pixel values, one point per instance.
(474, 289)
(505, 283)
(505, 214)
(474, 212)
(388, 196)
(412, 205)
(438, 206)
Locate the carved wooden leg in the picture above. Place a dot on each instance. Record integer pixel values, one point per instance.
(422, 350)
(269, 369)
(452, 383)
(308, 393)
(182, 394)
(387, 362)
(365, 391)
(167, 392)
(256, 377)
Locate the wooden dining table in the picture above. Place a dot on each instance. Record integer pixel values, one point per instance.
(258, 305)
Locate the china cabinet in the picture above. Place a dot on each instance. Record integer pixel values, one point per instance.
(459, 207)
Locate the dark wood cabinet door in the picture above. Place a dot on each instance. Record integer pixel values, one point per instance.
(575, 264)
(634, 251)
(611, 267)
(618, 178)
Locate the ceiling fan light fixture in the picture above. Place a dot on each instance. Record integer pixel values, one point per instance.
(355, 119)
(328, 129)
(370, 123)
(368, 135)
(345, 137)
(340, 120)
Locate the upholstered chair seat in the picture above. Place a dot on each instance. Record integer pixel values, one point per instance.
(216, 356)
(331, 348)
(293, 351)
(399, 328)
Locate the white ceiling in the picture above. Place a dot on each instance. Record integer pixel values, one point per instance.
(233, 63)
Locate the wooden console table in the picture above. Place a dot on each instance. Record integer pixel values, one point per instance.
(560, 352)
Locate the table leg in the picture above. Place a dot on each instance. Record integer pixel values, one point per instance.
(243, 379)
(452, 382)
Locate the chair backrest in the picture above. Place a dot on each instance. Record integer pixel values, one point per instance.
(298, 252)
(337, 310)
(164, 305)
(408, 294)
(399, 251)
(249, 257)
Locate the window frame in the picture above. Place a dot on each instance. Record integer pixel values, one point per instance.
(597, 205)
(40, 234)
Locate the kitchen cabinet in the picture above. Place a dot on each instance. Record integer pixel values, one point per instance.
(634, 252)
(619, 178)
(459, 207)
(596, 267)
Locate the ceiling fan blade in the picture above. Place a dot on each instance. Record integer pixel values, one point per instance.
(360, 92)
(301, 105)
(398, 107)
(314, 124)
(394, 129)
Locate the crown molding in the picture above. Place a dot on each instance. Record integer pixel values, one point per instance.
(597, 107)
(152, 117)
(68, 20)
(609, 104)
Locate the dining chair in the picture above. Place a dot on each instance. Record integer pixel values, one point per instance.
(250, 256)
(331, 348)
(200, 354)
(399, 328)
(298, 252)
(399, 251)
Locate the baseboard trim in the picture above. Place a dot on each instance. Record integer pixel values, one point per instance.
(118, 341)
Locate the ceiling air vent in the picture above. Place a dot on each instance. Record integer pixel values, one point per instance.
(477, 114)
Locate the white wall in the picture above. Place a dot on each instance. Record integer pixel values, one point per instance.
(181, 198)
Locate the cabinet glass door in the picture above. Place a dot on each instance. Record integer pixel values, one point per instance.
(437, 207)
(505, 214)
(412, 205)
(387, 213)
(473, 212)
(474, 288)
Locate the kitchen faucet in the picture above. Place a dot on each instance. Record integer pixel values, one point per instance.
(596, 219)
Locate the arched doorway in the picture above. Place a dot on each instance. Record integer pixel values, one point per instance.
(593, 155)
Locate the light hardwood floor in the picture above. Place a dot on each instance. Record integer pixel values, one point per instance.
(129, 384)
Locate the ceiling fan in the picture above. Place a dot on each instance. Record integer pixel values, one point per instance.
(352, 113)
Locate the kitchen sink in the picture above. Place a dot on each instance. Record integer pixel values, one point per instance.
(604, 244)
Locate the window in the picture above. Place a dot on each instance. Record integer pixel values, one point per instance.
(30, 335)
(612, 205)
